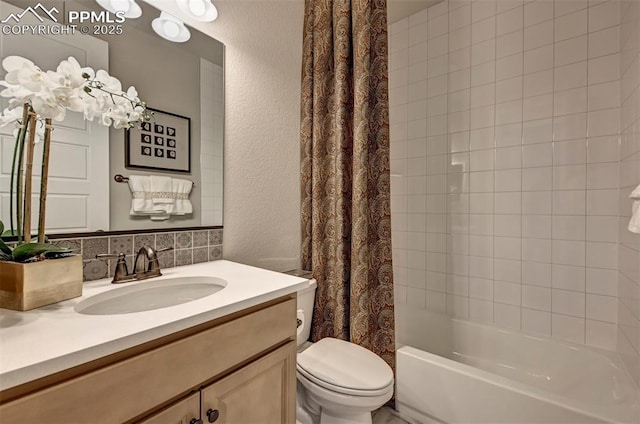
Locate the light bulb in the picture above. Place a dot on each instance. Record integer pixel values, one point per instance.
(197, 7)
(201, 10)
(171, 29)
(122, 5)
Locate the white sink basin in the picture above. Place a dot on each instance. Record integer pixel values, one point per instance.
(150, 295)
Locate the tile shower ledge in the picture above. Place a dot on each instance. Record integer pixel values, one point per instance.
(53, 338)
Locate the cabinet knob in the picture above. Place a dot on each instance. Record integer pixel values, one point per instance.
(212, 415)
(195, 421)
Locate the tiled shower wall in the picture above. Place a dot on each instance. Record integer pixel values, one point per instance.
(628, 340)
(505, 158)
(189, 247)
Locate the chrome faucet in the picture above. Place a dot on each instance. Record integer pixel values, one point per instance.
(146, 265)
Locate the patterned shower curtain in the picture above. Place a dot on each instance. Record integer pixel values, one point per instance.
(346, 221)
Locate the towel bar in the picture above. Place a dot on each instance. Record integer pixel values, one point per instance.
(122, 179)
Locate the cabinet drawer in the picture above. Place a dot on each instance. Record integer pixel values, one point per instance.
(127, 389)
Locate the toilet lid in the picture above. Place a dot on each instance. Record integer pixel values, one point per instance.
(345, 365)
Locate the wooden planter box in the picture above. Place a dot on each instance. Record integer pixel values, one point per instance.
(31, 285)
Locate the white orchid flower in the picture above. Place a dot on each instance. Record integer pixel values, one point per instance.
(25, 73)
(91, 108)
(16, 94)
(70, 87)
(70, 73)
(69, 98)
(105, 120)
(132, 94)
(10, 116)
(11, 63)
(48, 107)
(110, 83)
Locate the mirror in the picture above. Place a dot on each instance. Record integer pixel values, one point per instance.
(179, 80)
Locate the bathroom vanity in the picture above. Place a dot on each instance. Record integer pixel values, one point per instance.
(228, 357)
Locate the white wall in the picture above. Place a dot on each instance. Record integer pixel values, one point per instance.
(263, 55)
(504, 130)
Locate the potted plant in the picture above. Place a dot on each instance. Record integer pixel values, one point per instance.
(28, 279)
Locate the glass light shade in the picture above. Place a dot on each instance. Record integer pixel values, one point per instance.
(123, 5)
(130, 8)
(197, 7)
(200, 10)
(170, 28)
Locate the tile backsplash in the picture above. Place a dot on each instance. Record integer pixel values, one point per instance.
(189, 247)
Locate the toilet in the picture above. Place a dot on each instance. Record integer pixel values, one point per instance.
(338, 382)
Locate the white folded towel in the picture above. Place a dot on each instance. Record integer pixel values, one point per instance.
(172, 199)
(141, 202)
(162, 190)
(634, 223)
(182, 188)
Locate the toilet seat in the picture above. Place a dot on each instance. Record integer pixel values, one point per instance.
(346, 368)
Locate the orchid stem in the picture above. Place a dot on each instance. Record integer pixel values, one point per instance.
(14, 164)
(19, 179)
(44, 179)
(28, 178)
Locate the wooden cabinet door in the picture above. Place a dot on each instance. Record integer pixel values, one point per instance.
(263, 392)
(181, 412)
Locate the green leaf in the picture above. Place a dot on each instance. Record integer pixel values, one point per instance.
(27, 251)
(4, 248)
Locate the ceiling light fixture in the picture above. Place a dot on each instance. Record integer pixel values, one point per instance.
(201, 10)
(129, 7)
(170, 28)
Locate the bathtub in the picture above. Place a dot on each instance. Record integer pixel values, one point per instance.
(456, 371)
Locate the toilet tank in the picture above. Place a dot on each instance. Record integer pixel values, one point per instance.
(306, 298)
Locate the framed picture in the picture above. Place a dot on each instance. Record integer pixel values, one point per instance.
(162, 144)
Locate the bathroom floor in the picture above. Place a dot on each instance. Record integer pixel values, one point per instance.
(385, 416)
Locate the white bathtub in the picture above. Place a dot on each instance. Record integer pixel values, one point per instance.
(457, 371)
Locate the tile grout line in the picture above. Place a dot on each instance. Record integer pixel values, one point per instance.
(586, 177)
(522, 173)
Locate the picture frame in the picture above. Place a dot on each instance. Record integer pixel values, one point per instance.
(162, 144)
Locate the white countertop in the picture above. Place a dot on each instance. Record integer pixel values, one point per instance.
(46, 340)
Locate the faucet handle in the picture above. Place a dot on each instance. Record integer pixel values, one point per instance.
(146, 264)
(154, 262)
(121, 273)
(110, 255)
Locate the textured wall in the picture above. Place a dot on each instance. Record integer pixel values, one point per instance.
(263, 42)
